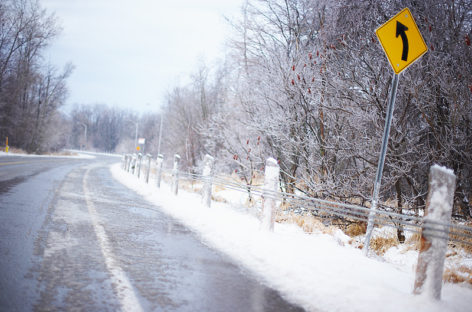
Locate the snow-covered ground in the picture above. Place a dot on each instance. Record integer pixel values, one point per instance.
(317, 271)
(90, 153)
(74, 154)
(79, 154)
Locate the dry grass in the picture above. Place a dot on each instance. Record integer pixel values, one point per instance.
(166, 177)
(284, 206)
(311, 224)
(215, 190)
(381, 244)
(356, 229)
(190, 186)
(13, 150)
(465, 247)
(307, 223)
(413, 242)
(218, 188)
(218, 199)
(460, 275)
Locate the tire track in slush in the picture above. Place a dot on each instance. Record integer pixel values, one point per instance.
(125, 291)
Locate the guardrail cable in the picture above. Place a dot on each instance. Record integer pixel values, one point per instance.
(406, 221)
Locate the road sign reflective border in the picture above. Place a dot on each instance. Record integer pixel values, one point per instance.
(401, 40)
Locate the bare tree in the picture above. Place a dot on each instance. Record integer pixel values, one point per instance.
(30, 92)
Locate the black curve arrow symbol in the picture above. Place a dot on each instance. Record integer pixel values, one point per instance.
(401, 29)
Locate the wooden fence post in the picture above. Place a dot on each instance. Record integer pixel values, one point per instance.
(207, 179)
(429, 271)
(128, 162)
(175, 175)
(271, 185)
(148, 168)
(159, 161)
(134, 163)
(140, 158)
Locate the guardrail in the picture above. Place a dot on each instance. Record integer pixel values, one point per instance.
(435, 227)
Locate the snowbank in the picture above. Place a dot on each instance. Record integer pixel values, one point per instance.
(93, 154)
(313, 271)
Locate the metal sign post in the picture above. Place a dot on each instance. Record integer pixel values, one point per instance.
(403, 45)
(383, 152)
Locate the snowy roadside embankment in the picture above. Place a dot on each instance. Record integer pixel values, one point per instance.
(93, 154)
(314, 271)
(79, 155)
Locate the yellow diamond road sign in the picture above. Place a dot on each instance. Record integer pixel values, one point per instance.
(401, 40)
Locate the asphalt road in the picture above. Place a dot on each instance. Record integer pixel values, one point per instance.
(73, 238)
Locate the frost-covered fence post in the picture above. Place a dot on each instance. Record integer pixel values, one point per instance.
(148, 168)
(133, 166)
(159, 161)
(133, 163)
(140, 158)
(175, 175)
(207, 179)
(429, 270)
(127, 165)
(130, 158)
(129, 162)
(271, 185)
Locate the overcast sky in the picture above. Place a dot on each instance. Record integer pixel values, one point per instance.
(128, 53)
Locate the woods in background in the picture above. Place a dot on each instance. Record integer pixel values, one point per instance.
(31, 90)
(105, 129)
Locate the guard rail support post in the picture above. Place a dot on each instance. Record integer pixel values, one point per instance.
(159, 162)
(271, 184)
(123, 162)
(133, 166)
(128, 165)
(140, 158)
(207, 174)
(148, 168)
(429, 270)
(175, 175)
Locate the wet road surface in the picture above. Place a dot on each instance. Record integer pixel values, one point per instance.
(73, 238)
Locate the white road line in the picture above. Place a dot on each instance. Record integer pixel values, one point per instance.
(121, 283)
